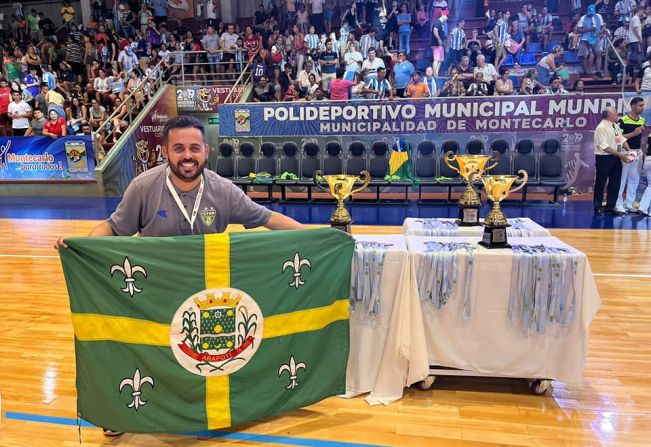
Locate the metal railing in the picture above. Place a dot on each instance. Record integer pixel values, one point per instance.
(621, 61)
(190, 68)
(148, 87)
(164, 72)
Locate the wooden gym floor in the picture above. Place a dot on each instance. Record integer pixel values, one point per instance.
(613, 408)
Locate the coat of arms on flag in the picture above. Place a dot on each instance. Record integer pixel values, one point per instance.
(217, 337)
(216, 332)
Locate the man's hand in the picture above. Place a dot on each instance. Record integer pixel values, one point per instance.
(638, 130)
(60, 244)
(624, 157)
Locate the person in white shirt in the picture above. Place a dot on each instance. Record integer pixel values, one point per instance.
(372, 64)
(127, 59)
(488, 71)
(228, 43)
(353, 59)
(608, 144)
(430, 82)
(643, 81)
(211, 11)
(303, 77)
(635, 35)
(623, 31)
(19, 112)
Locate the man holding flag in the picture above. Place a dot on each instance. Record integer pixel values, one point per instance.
(182, 198)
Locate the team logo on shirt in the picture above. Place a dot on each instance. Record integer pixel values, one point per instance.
(242, 120)
(208, 215)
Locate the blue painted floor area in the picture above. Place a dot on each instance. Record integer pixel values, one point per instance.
(572, 214)
(216, 434)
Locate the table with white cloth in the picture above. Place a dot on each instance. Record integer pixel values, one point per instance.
(387, 347)
(522, 312)
(520, 227)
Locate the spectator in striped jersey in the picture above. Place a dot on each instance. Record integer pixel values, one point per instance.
(457, 43)
(500, 34)
(367, 41)
(312, 39)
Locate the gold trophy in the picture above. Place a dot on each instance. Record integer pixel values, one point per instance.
(469, 166)
(341, 186)
(498, 188)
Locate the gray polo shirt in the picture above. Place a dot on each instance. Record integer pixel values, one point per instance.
(148, 207)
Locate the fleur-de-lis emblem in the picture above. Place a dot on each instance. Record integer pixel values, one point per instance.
(129, 271)
(296, 265)
(136, 384)
(292, 369)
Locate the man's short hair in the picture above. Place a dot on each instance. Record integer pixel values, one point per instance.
(636, 100)
(183, 122)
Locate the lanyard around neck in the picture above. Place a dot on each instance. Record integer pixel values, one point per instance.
(197, 201)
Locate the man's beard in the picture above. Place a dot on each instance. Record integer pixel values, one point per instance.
(178, 172)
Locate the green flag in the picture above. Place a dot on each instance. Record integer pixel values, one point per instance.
(202, 332)
(400, 165)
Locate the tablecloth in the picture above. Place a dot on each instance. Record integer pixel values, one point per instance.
(474, 332)
(387, 348)
(520, 227)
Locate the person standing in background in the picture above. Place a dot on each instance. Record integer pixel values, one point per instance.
(645, 202)
(608, 144)
(404, 29)
(632, 126)
(402, 72)
(439, 38)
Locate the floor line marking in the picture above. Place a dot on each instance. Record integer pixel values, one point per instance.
(622, 275)
(6, 255)
(218, 434)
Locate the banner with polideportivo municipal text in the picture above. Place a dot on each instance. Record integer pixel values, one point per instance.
(570, 119)
(247, 325)
(45, 159)
(445, 115)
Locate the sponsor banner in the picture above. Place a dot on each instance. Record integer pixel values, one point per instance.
(570, 113)
(42, 158)
(203, 99)
(148, 135)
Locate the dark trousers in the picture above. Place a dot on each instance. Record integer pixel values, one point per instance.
(609, 169)
(317, 21)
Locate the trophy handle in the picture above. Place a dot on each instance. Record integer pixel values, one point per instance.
(525, 178)
(447, 158)
(366, 181)
(316, 182)
(494, 156)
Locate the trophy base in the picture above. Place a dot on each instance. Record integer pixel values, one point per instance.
(468, 216)
(495, 237)
(345, 227)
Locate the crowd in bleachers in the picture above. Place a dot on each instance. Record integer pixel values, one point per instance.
(66, 80)
(305, 50)
(514, 52)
